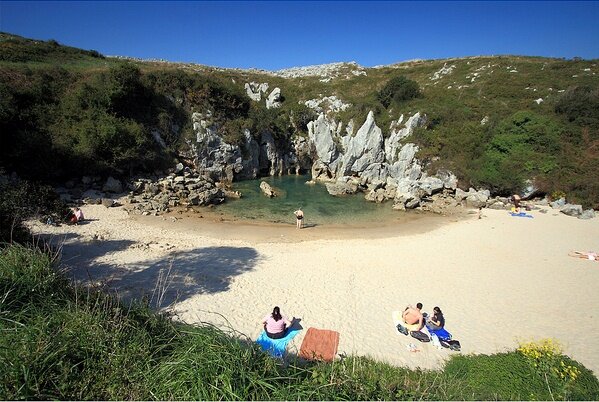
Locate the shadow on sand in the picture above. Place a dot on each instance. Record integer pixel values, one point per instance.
(182, 274)
(173, 277)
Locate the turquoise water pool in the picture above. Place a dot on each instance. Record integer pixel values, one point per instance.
(320, 208)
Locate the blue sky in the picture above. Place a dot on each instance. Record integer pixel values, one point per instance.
(275, 35)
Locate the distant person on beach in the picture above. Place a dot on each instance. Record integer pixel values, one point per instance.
(79, 214)
(516, 200)
(299, 217)
(74, 216)
(413, 315)
(276, 324)
(436, 321)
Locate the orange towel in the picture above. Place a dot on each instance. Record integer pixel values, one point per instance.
(319, 344)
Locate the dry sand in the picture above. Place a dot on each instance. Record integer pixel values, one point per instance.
(500, 280)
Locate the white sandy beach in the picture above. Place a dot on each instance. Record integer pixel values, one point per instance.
(499, 280)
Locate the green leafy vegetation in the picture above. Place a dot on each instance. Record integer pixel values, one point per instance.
(80, 113)
(580, 104)
(524, 145)
(14, 48)
(65, 342)
(19, 200)
(398, 89)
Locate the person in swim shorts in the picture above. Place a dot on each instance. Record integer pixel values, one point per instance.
(299, 217)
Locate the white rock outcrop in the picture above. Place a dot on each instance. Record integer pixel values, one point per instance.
(363, 149)
(445, 70)
(327, 103)
(255, 90)
(274, 99)
(320, 133)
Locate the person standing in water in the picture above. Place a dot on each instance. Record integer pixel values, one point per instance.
(299, 217)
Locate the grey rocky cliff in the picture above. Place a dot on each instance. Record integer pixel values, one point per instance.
(321, 133)
(363, 150)
(224, 162)
(385, 169)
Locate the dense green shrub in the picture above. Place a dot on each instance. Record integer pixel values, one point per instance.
(274, 121)
(522, 146)
(224, 100)
(398, 89)
(580, 104)
(300, 115)
(19, 200)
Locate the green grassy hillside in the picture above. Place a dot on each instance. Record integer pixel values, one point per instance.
(95, 114)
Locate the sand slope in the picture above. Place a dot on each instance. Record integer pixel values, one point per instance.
(499, 280)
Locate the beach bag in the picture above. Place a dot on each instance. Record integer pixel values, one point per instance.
(421, 336)
(451, 344)
(401, 329)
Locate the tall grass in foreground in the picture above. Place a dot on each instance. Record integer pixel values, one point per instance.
(62, 342)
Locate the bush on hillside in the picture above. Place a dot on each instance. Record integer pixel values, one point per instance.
(523, 146)
(398, 89)
(29, 101)
(19, 200)
(274, 121)
(580, 105)
(300, 115)
(224, 100)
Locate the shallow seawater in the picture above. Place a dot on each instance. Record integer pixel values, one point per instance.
(320, 208)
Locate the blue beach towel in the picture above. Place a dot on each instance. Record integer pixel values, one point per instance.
(276, 347)
(521, 215)
(442, 333)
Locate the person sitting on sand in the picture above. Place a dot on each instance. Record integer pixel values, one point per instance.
(436, 321)
(79, 215)
(299, 217)
(413, 317)
(276, 324)
(75, 216)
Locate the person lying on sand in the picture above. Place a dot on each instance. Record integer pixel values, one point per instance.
(586, 255)
(276, 324)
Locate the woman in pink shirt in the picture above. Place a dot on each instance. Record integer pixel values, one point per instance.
(275, 324)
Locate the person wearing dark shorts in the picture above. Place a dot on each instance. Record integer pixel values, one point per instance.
(299, 217)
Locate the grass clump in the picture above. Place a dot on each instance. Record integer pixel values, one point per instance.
(59, 341)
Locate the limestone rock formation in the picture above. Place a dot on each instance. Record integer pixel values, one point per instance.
(364, 149)
(113, 185)
(571, 210)
(274, 99)
(320, 133)
(267, 189)
(255, 90)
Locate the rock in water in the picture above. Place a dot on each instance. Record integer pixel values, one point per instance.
(267, 189)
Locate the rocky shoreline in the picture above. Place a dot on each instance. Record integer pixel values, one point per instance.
(186, 188)
(347, 159)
